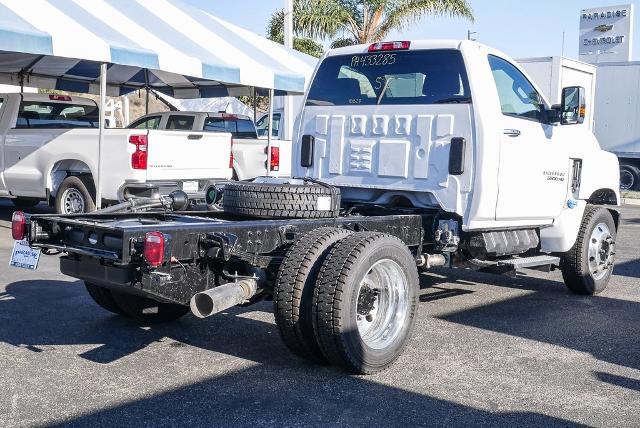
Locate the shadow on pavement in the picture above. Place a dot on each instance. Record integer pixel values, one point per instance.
(7, 208)
(604, 327)
(281, 390)
(629, 268)
(624, 382)
(298, 396)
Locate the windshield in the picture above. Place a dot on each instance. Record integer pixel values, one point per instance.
(34, 114)
(403, 77)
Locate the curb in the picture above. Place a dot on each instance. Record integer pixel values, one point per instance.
(630, 201)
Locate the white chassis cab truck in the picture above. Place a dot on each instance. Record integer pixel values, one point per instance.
(49, 152)
(409, 155)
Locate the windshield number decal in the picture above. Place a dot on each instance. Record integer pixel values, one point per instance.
(373, 60)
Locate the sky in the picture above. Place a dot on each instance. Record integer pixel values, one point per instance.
(521, 28)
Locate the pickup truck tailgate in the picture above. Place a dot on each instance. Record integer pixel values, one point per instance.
(185, 155)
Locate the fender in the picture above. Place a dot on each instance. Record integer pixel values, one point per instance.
(560, 237)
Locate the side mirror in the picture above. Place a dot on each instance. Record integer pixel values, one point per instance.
(573, 108)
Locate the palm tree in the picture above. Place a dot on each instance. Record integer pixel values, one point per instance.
(275, 33)
(349, 22)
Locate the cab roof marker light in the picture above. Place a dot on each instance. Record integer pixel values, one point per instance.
(56, 97)
(390, 46)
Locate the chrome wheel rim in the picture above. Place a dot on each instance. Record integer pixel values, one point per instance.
(601, 251)
(73, 201)
(383, 304)
(626, 180)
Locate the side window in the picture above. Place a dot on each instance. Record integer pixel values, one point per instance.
(262, 124)
(517, 95)
(180, 122)
(146, 123)
(275, 125)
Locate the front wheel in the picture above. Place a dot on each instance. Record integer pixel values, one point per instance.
(586, 268)
(365, 301)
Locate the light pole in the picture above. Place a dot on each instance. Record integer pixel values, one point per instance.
(288, 42)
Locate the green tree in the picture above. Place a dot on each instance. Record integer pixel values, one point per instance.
(275, 32)
(348, 22)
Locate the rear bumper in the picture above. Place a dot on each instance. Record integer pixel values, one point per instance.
(152, 189)
(127, 280)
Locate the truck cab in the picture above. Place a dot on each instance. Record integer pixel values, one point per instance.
(453, 125)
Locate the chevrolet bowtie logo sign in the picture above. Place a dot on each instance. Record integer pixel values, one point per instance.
(604, 28)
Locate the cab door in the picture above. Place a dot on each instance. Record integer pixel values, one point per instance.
(534, 163)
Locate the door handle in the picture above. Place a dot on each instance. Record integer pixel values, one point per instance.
(512, 132)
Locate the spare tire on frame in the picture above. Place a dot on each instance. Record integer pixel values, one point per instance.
(289, 199)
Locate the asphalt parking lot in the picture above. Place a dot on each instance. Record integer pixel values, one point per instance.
(486, 350)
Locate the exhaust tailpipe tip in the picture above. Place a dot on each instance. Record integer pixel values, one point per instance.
(218, 299)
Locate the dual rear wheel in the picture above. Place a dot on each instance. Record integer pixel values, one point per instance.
(347, 299)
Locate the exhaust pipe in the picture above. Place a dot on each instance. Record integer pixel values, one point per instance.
(427, 261)
(218, 299)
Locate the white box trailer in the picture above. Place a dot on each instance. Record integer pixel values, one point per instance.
(553, 73)
(617, 117)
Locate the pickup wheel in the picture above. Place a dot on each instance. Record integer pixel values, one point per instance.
(74, 196)
(269, 200)
(365, 301)
(293, 291)
(587, 267)
(146, 310)
(103, 298)
(629, 177)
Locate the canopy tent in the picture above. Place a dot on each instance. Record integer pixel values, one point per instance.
(113, 47)
(166, 45)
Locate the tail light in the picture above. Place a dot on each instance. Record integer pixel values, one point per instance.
(154, 248)
(274, 164)
(231, 155)
(389, 46)
(139, 157)
(18, 226)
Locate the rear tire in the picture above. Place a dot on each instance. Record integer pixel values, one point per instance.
(146, 310)
(586, 268)
(103, 298)
(75, 196)
(293, 293)
(629, 177)
(365, 301)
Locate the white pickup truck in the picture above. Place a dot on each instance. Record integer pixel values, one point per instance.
(414, 155)
(49, 152)
(249, 152)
